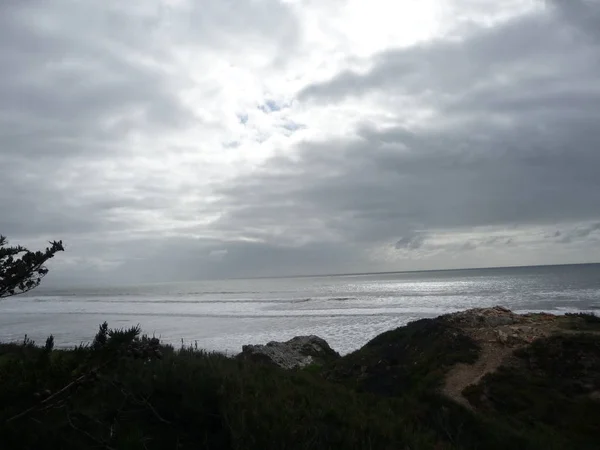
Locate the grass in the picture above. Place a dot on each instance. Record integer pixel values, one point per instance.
(127, 391)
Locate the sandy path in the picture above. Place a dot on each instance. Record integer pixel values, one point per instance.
(499, 332)
(462, 375)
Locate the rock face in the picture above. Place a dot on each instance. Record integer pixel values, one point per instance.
(297, 352)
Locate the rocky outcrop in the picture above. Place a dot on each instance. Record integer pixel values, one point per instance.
(295, 353)
(498, 332)
(484, 317)
(501, 325)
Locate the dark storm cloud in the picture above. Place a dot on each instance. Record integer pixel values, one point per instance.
(515, 142)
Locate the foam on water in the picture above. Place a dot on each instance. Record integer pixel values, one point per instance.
(345, 310)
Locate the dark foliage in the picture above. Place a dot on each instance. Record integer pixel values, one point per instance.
(127, 391)
(91, 397)
(553, 388)
(49, 346)
(409, 363)
(583, 321)
(22, 270)
(416, 355)
(587, 317)
(101, 337)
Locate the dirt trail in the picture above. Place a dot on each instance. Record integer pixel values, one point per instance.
(499, 332)
(463, 375)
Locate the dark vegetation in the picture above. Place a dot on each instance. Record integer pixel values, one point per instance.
(125, 392)
(22, 270)
(582, 321)
(417, 355)
(553, 389)
(128, 391)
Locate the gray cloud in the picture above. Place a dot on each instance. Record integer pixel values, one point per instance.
(516, 143)
(490, 60)
(512, 142)
(80, 81)
(583, 15)
(182, 258)
(376, 185)
(72, 93)
(61, 95)
(578, 233)
(410, 242)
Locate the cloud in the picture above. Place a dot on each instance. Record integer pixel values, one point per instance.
(487, 60)
(468, 246)
(382, 181)
(513, 142)
(583, 15)
(578, 233)
(410, 242)
(270, 106)
(94, 119)
(254, 138)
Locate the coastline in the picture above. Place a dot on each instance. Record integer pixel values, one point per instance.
(472, 379)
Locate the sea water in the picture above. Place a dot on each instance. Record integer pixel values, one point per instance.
(346, 310)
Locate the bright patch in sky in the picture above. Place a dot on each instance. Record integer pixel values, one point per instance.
(378, 24)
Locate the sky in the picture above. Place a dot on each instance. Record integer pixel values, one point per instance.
(167, 140)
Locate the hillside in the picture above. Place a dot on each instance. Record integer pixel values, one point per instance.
(483, 378)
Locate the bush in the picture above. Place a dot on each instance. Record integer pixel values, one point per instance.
(127, 391)
(95, 397)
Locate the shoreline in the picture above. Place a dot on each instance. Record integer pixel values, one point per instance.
(471, 379)
(176, 341)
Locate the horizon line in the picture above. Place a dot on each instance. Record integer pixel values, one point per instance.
(348, 274)
(409, 271)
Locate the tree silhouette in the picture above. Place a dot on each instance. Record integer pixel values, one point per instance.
(22, 270)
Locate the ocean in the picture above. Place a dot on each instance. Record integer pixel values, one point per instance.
(346, 310)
